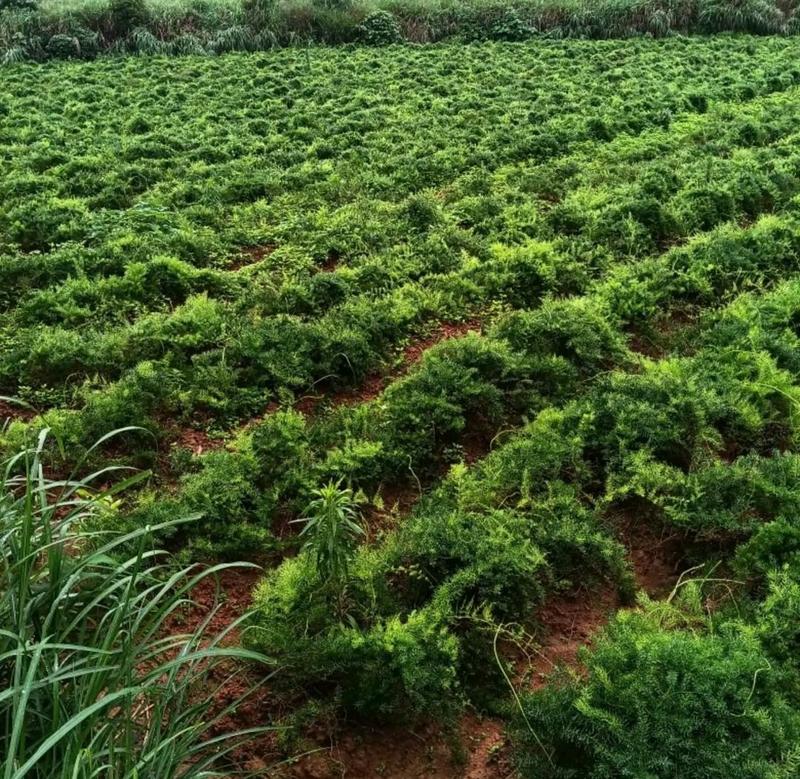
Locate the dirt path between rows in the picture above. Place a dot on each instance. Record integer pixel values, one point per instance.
(199, 442)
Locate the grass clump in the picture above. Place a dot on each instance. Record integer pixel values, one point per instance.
(97, 681)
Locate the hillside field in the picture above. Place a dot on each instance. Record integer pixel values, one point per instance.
(488, 354)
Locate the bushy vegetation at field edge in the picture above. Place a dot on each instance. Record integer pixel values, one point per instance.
(88, 28)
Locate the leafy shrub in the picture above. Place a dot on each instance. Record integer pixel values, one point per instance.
(380, 668)
(767, 321)
(774, 546)
(778, 619)
(281, 447)
(519, 275)
(510, 27)
(422, 211)
(719, 498)
(573, 328)
(359, 462)
(63, 47)
(663, 410)
(79, 43)
(473, 560)
(457, 381)
(548, 450)
(380, 28)
(236, 516)
(127, 15)
(704, 207)
(401, 669)
(258, 13)
(760, 16)
(576, 544)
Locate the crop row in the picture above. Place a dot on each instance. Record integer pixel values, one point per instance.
(483, 385)
(702, 442)
(606, 243)
(237, 339)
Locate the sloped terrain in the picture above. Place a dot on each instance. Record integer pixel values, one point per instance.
(516, 326)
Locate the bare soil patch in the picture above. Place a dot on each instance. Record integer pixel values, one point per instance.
(376, 383)
(198, 441)
(251, 255)
(476, 749)
(13, 411)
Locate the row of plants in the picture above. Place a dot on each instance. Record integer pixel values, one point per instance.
(415, 427)
(733, 678)
(710, 651)
(101, 322)
(528, 359)
(488, 545)
(83, 31)
(703, 443)
(624, 223)
(125, 173)
(731, 164)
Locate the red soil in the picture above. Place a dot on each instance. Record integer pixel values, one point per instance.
(567, 623)
(414, 351)
(250, 255)
(398, 501)
(655, 553)
(476, 750)
(198, 441)
(331, 262)
(13, 411)
(376, 383)
(231, 590)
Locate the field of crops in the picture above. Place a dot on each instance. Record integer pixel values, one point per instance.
(483, 351)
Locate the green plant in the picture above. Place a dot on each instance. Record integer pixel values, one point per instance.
(96, 682)
(774, 546)
(759, 16)
(127, 15)
(535, 290)
(398, 668)
(380, 28)
(778, 619)
(510, 27)
(258, 13)
(17, 4)
(63, 46)
(331, 532)
(729, 712)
